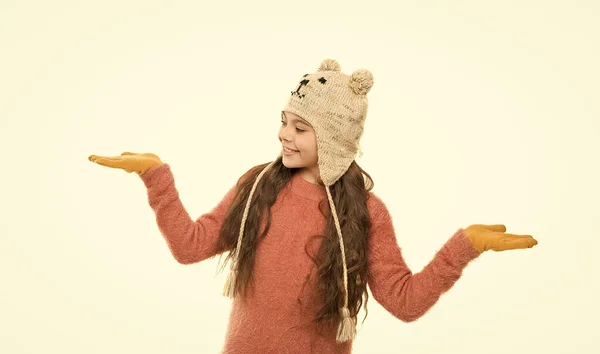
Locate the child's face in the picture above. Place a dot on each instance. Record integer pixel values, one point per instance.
(296, 134)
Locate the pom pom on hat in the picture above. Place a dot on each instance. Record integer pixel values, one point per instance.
(330, 65)
(361, 81)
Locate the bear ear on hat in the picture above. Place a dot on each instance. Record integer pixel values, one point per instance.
(329, 65)
(361, 81)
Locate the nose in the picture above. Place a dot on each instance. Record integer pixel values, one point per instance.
(284, 134)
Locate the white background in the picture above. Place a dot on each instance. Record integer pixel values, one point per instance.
(481, 112)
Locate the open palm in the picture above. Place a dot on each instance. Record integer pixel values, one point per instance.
(495, 238)
(129, 161)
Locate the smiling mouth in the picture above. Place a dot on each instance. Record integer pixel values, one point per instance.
(289, 150)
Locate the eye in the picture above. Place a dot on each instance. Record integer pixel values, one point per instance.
(299, 130)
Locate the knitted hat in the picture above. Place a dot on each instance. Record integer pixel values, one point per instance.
(335, 105)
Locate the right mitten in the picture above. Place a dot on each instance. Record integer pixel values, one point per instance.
(129, 161)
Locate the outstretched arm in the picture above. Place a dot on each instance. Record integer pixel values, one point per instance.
(190, 241)
(405, 295)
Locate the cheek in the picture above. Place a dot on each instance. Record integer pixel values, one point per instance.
(308, 145)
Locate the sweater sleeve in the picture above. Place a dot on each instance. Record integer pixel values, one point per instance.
(190, 241)
(405, 295)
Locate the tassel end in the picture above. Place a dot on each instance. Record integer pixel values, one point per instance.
(347, 327)
(229, 285)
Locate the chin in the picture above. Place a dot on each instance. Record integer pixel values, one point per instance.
(290, 164)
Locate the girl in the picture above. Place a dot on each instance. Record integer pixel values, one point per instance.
(305, 234)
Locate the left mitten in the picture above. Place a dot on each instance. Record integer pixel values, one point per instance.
(494, 237)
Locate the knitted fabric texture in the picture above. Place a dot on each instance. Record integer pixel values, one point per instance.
(335, 105)
(277, 317)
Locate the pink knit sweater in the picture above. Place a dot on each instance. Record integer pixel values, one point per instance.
(271, 319)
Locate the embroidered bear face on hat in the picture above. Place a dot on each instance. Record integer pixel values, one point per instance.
(335, 105)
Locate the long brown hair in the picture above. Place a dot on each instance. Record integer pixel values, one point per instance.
(349, 193)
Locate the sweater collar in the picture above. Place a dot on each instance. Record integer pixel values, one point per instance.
(306, 189)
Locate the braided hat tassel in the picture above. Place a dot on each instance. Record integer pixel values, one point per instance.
(230, 283)
(347, 327)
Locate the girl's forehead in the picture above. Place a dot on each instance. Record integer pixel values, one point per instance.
(294, 117)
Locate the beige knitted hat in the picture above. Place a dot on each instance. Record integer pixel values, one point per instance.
(335, 105)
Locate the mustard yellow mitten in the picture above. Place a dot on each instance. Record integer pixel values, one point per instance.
(129, 161)
(494, 237)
